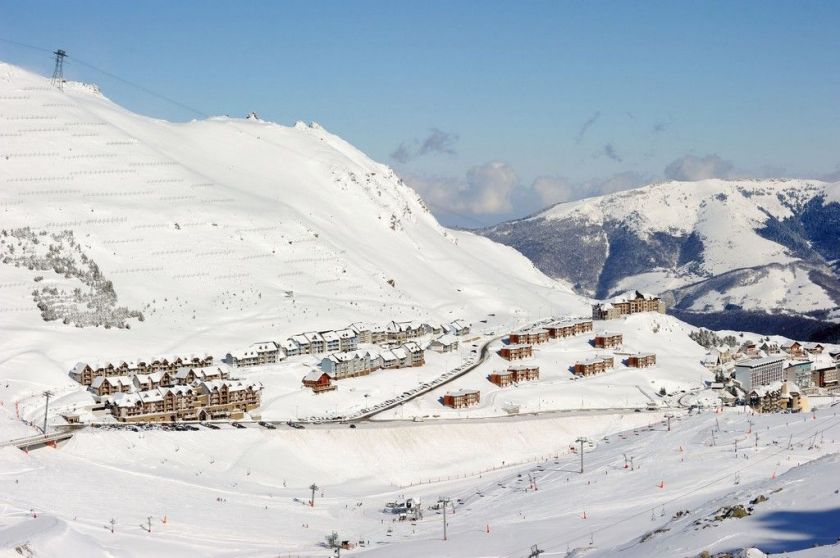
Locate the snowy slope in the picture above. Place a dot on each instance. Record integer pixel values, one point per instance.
(243, 492)
(220, 232)
(764, 246)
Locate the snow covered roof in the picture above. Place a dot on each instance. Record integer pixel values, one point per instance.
(566, 322)
(514, 347)
(388, 356)
(314, 375)
(345, 333)
(154, 377)
(358, 327)
(761, 391)
(756, 362)
(347, 356)
(265, 346)
(446, 340)
(79, 368)
(113, 380)
(607, 334)
(518, 367)
(533, 331)
(412, 347)
(232, 385)
(330, 335)
(792, 363)
(634, 295)
(462, 392)
(594, 360)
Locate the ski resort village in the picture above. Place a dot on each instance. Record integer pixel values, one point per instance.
(234, 338)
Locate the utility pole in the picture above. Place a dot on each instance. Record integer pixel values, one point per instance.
(445, 503)
(149, 522)
(47, 394)
(58, 72)
(669, 416)
(581, 441)
(113, 522)
(313, 487)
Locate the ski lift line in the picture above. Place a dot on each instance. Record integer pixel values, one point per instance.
(115, 77)
(18, 43)
(717, 480)
(142, 88)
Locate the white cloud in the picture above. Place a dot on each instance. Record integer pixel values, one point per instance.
(549, 190)
(486, 189)
(691, 168)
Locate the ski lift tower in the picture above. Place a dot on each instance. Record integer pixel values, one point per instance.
(58, 72)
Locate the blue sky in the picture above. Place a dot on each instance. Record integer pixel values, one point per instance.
(490, 109)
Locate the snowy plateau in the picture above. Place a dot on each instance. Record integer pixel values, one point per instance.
(760, 255)
(126, 237)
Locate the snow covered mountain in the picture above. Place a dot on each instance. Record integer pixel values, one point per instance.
(212, 234)
(766, 252)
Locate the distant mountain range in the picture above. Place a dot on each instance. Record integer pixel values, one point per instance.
(760, 255)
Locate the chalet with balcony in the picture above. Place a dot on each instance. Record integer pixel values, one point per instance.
(608, 340)
(147, 382)
(350, 364)
(568, 328)
(528, 337)
(595, 365)
(258, 354)
(793, 348)
(444, 344)
(776, 397)
(515, 375)
(319, 381)
(826, 376)
(187, 374)
(631, 302)
(462, 398)
(348, 340)
(814, 349)
(416, 355)
(290, 348)
(109, 385)
(641, 360)
(332, 342)
(516, 352)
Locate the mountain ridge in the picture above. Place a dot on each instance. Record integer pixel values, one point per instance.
(220, 232)
(761, 246)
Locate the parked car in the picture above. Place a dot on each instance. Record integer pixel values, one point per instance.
(237, 425)
(267, 425)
